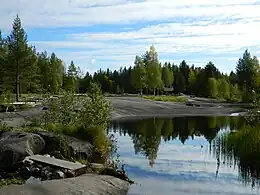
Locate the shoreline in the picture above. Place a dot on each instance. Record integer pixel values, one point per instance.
(131, 108)
(125, 108)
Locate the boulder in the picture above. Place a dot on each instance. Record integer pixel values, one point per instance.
(84, 185)
(15, 146)
(76, 146)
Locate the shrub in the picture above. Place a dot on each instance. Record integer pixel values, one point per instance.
(80, 116)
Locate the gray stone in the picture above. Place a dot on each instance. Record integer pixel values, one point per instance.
(27, 162)
(97, 167)
(69, 173)
(83, 185)
(15, 146)
(77, 146)
(57, 175)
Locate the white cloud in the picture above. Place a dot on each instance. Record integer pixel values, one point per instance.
(80, 12)
(217, 27)
(93, 61)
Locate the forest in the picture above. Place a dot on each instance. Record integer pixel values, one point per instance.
(26, 71)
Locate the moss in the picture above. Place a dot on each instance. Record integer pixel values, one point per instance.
(5, 128)
(5, 182)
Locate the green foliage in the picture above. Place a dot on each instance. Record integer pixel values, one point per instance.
(5, 182)
(235, 94)
(223, 89)
(85, 116)
(5, 128)
(71, 82)
(242, 148)
(24, 70)
(179, 83)
(21, 60)
(192, 81)
(166, 98)
(154, 75)
(138, 76)
(167, 76)
(212, 88)
(247, 71)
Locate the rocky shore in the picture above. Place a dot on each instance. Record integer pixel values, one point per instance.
(16, 148)
(136, 107)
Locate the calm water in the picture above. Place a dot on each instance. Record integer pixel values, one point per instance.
(179, 156)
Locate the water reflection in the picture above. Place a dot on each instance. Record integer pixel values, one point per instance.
(187, 155)
(241, 149)
(147, 134)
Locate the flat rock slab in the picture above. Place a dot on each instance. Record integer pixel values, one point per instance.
(88, 184)
(76, 167)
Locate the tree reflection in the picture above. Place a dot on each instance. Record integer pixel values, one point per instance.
(148, 133)
(241, 149)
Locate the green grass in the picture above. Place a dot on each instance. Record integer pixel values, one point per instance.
(166, 98)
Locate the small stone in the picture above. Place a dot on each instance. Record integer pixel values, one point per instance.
(27, 162)
(58, 175)
(97, 167)
(46, 173)
(35, 169)
(47, 155)
(70, 173)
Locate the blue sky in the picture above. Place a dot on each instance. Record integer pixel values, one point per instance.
(109, 33)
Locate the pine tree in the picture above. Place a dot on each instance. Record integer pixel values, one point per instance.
(21, 59)
(3, 55)
(71, 82)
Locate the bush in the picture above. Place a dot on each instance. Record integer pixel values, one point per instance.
(81, 116)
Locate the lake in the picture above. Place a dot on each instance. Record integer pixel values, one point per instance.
(181, 156)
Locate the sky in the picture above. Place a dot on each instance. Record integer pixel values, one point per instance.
(110, 33)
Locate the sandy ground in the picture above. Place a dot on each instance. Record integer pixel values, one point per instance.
(136, 107)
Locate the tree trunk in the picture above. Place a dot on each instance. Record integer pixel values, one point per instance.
(154, 91)
(17, 88)
(141, 91)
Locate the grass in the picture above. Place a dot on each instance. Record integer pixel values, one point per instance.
(166, 98)
(241, 148)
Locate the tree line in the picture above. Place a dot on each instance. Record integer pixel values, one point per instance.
(24, 70)
(149, 76)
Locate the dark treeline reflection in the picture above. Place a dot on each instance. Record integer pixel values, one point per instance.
(148, 133)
